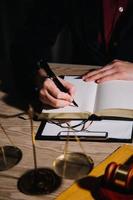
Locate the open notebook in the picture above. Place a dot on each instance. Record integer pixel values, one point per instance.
(109, 99)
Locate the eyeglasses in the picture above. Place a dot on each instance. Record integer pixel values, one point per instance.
(82, 125)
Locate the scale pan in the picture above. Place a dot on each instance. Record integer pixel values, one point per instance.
(9, 157)
(73, 165)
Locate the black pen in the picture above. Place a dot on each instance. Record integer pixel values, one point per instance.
(52, 75)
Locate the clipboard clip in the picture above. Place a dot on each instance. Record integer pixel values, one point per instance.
(84, 135)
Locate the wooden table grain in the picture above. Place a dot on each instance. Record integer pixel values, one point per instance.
(18, 129)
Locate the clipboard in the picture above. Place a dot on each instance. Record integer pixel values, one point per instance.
(90, 134)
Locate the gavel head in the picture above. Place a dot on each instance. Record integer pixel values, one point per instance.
(119, 175)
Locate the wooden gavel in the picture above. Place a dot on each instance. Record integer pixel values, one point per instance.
(120, 175)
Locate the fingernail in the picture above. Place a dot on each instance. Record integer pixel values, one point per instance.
(71, 99)
(97, 81)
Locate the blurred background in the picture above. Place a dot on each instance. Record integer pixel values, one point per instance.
(13, 14)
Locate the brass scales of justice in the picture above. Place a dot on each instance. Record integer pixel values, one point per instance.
(71, 165)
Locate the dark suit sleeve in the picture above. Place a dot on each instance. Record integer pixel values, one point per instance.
(35, 38)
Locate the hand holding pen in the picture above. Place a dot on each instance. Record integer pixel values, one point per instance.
(56, 91)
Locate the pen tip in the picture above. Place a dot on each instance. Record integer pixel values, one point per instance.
(75, 103)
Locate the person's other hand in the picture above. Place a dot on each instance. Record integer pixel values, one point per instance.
(49, 94)
(117, 70)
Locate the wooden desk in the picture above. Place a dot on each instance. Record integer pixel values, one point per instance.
(19, 131)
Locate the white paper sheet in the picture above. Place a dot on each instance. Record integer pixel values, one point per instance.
(115, 129)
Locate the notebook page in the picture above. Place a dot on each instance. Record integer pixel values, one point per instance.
(115, 94)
